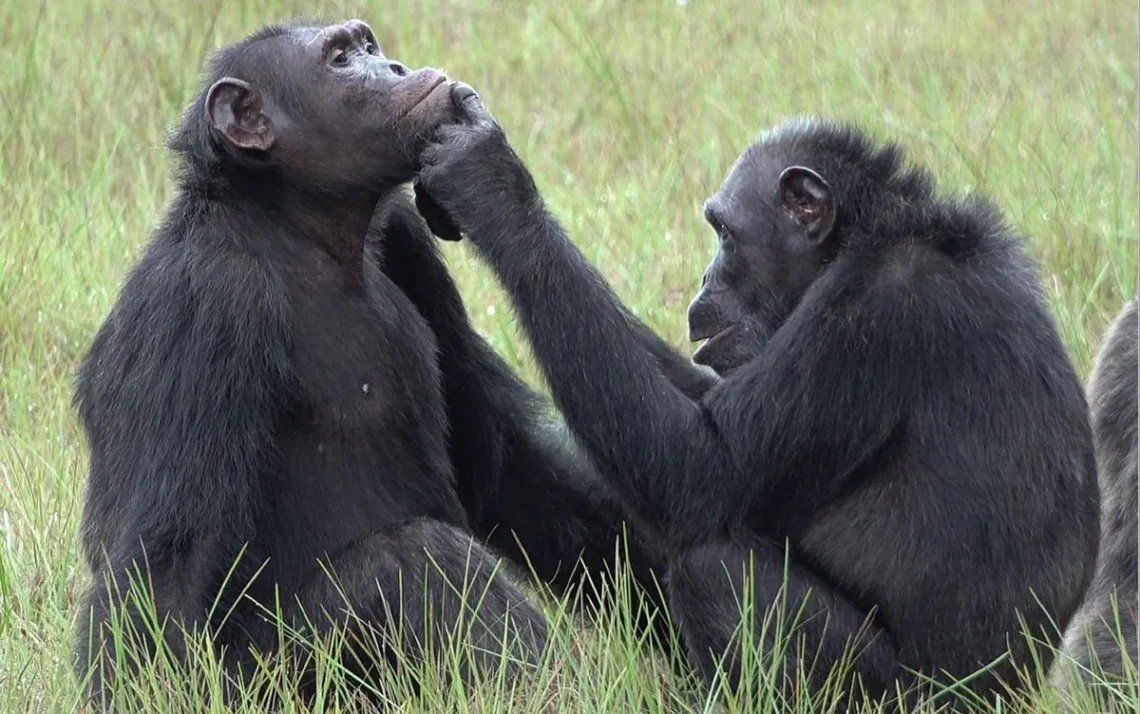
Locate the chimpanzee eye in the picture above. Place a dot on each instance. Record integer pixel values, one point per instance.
(339, 58)
(724, 238)
(714, 221)
(371, 48)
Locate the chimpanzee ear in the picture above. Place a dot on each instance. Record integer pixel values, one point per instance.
(808, 199)
(235, 109)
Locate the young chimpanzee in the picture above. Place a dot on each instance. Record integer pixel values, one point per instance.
(288, 381)
(1107, 620)
(896, 406)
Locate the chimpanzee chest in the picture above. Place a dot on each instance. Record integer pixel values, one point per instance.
(365, 444)
(371, 369)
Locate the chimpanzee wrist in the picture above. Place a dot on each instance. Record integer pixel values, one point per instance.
(507, 222)
(506, 202)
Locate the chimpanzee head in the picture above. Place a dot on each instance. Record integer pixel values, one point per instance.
(802, 195)
(319, 105)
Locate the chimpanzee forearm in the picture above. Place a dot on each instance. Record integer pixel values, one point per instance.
(479, 390)
(524, 483)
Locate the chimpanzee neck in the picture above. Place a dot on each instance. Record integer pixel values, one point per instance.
(334, 221)
(338, 224)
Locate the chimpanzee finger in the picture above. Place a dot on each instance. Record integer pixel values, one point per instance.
(462, 92)
(436, 218)
(467, 100)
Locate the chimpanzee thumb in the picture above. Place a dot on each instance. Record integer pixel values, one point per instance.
(468, 102)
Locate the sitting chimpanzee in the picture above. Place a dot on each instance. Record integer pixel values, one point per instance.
(1102, 637)
(289, 381)
(895, 407)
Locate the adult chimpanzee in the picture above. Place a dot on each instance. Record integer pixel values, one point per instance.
(895, 404)
(289, 372)
(1108, 617)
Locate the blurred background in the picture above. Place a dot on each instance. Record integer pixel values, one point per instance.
(629, 113)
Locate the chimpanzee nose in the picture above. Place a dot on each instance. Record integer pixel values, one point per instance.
(705, 319)
(398, 69)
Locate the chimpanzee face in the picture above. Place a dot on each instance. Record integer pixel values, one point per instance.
(773, 218)
(326, 106)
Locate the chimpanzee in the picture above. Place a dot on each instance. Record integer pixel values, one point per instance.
(1108, 617)
(897, 427)
(288, 381)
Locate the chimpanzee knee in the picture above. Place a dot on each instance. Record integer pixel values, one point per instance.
(416, 590)
(729, 599)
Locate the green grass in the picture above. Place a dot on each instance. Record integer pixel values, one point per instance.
(628, 113)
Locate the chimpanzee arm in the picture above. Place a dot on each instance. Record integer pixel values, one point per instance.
(527, 486)
(179, 395)
(692, 469)
(691, 380)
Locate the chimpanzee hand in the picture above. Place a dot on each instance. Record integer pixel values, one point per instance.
(470, 176)
(437, 219)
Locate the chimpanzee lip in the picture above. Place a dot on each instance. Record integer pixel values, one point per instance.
(442, 79)
(709, 333)
(711, 342)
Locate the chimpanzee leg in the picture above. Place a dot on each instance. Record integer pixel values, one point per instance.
(816, 624)
(417, 589)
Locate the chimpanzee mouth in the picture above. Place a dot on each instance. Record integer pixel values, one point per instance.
(709, 333)
(441, 79)
(712, 340)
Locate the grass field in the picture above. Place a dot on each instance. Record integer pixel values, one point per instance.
(628, 113)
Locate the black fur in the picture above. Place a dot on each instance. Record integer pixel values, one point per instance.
(1108, 617)
(289, 372)
(898, 406)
